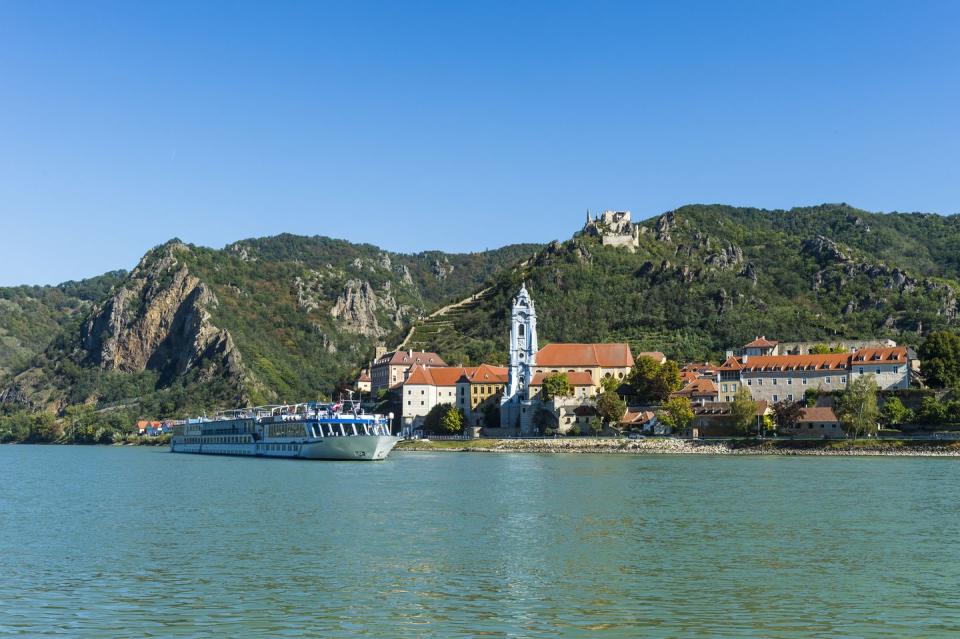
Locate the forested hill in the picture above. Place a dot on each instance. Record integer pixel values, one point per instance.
(283, 318)
(287, 318)
(707, 278)
(31, 315)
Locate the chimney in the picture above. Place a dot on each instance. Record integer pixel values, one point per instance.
(745, 358)
(410, 352)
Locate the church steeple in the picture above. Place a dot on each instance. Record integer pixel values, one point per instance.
(523, 347)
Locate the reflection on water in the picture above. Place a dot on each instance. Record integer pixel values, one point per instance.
(138, 542)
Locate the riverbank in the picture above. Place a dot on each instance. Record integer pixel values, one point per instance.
(669, 446)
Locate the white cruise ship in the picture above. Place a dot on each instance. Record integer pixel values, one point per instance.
(300, 431)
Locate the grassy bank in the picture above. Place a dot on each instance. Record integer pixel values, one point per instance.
(668, 446)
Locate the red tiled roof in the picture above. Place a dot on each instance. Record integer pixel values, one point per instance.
(654, 355)
(896, 355)
(436, 375)
(579, 378)
(825, 362)
(364, 377)
(423, 358)
(730, 364)
(762, 342)
(699, 386)
(600, 355)
(724, 408)
(486, 374)
(637, 416)
(818, 414)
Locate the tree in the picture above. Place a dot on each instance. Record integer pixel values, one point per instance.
(491, 414)
(452, 420)
(666, 381)
(810, 397)
(894, 413)
(788, 413)
(743, 410)
(932, 411)
(652, 381)
(440, 421)
(857, 406)
(595, 425)
(940, 359)
(676, 413)
(544, 420)
(556, 385)
(610, 407)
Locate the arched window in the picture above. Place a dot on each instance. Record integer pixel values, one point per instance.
(520, 330)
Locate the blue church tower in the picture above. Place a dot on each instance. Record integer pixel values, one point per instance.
(523, 359)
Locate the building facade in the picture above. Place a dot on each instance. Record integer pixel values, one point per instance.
(389, 370)
(426, 387)
(477, 388)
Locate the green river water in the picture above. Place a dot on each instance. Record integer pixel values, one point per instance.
(138, 542)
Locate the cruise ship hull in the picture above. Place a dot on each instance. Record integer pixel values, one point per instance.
(358, 448)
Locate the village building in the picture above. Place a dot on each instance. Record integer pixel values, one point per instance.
(775, 378)
(716, 418)
(364, 384)
(600, 361)
(818, 421)
(390, 370)
(424, 388)
(582, 383)
(476, 389)
(699, 390)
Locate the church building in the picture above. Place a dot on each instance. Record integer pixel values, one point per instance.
(587, 367)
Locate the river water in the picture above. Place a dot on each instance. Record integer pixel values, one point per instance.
(138, 542)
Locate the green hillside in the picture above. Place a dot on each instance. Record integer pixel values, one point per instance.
(31, 316)
(706, 278)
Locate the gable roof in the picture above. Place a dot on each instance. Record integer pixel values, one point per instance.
(825, 362)
(895, 355)
(584, 355)
(581, 378)
(410, 357)
(637, 416)
(654, 355)
(435, 375)
(762, 342)
(818, 414)
(485, 374)
(699, 386)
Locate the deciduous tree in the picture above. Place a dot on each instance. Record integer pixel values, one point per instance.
(556, 385)
(857, 406)
(940, 359)
(676, 413)
(743, 411)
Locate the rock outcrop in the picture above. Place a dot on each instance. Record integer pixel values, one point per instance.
(159, 320)
(356, 308)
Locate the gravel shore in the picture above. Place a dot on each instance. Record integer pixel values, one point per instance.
(666, 446)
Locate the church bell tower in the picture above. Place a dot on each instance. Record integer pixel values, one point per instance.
(523, 356)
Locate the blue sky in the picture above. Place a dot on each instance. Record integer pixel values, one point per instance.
(458, 126)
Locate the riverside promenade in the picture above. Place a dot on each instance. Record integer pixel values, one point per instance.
(673, 446)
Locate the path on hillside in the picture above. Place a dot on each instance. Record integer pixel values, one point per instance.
(440, 312)
(443, 311)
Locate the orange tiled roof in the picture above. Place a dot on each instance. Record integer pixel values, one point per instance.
(581, 378)
(654, 355)
(637, 417)
(423, 358)
(485, 374)
(825, 362)
(818, 414)
(699, 386)
(436, 375)
(762, 342)
(601, 355)
(895, 354)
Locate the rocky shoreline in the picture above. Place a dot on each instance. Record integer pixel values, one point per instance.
(667, 446)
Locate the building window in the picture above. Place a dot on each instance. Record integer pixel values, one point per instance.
(724, 389)
(804, 381)
(878, 370)
(790, 397)
(749, 382)
(774, 381)
(776, 398)
(843, 380)
(827, 380)
(861, 370)
(759, 382)
(789, 381)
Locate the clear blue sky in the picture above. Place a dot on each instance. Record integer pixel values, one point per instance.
(454, 125)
